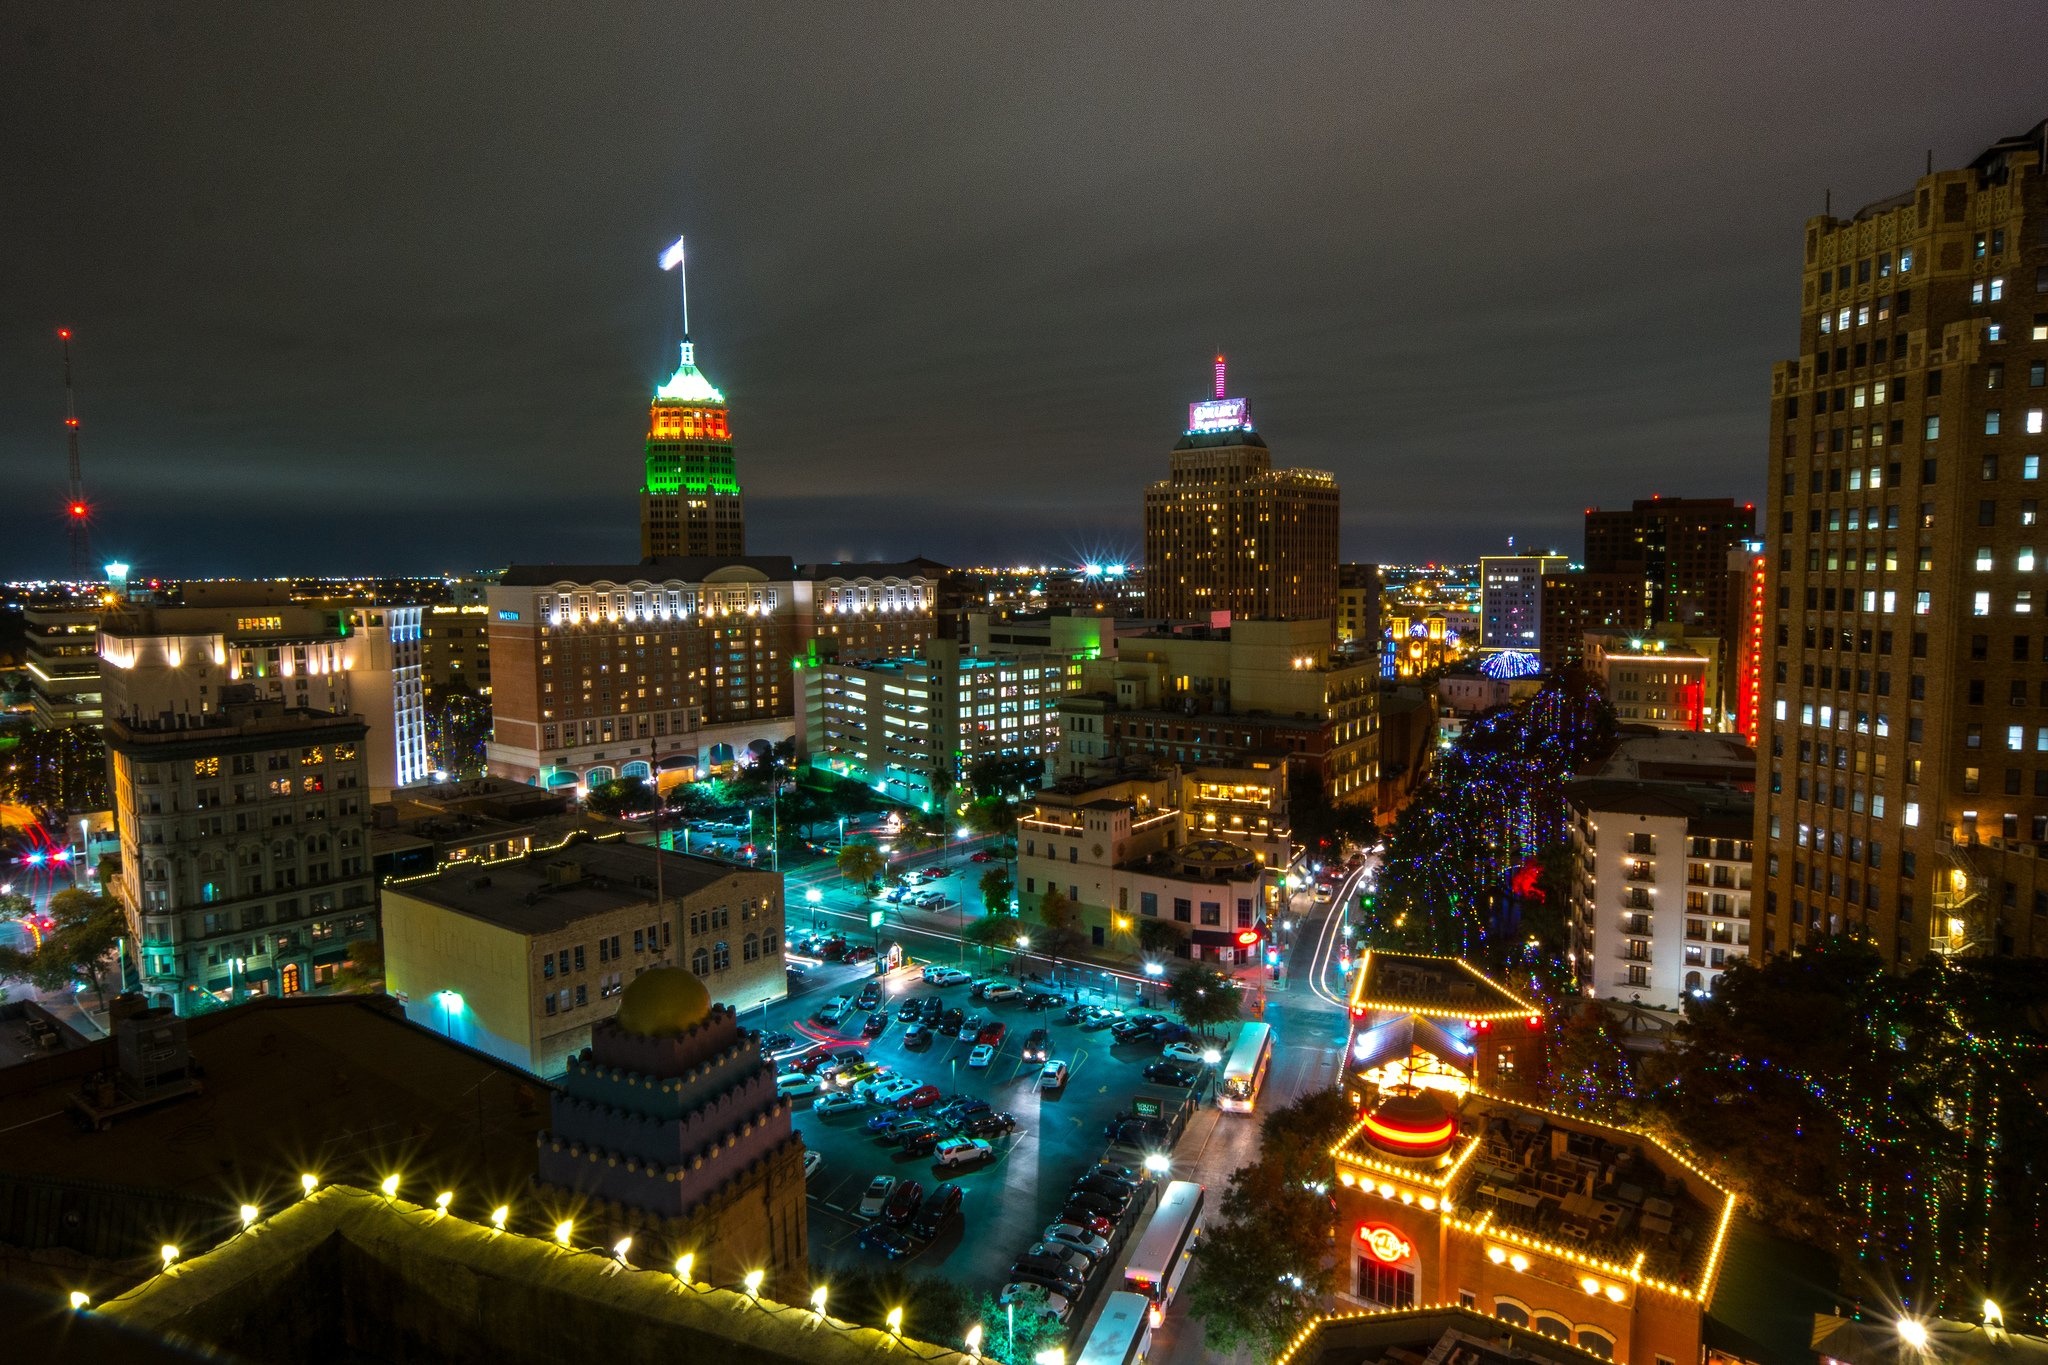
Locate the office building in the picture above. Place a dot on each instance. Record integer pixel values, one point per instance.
(690, 502)
(668, 1129)
(520, 957)
(1271, 693)
(244, 847)
(1677, 548)
(1511, 600)
(455, 650)
(912, 728)
(1666, 680)
(63, 664)
(1660, 905)
(1359, 587)
(170, 665)
(1907, 796)
(1573, 603)
(1589, 1234)
(1227, 532)
(676, 668)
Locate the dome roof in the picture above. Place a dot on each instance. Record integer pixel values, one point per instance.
(1412, 1123)
(663, 1000)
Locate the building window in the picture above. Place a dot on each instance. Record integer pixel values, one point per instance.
(1511, 1313)
(700, 962)
(1384, 1285)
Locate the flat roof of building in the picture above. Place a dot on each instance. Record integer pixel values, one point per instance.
(1707, 810)
(544, 891)
(1443, 1332)
(1440, 987)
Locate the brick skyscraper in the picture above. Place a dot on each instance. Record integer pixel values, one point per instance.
(1225, 531)
(690, 503)
(1904, 725)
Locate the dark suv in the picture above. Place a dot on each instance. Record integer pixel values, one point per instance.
(939, 1207)
(1035, 1044)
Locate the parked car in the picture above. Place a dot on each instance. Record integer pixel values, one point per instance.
(989, 1125)
(1139, 1133)
(950, 1021)
(1002, 990)
(879, 1190)
(911, 1127)
(1172, 1073)
(797, 1083)
(969, 1028)
(1075, 1013)
(870, 995)
(939, 1207)
(893, 1088)
(922, 1097)
(876, 1025)
(917, 1037)
(962, 1151)
(907, 1011)
(1086, 1201)
(891, 1242)
(931, 1008)
(1080, 1239)
(1036, 1298)
(1182, 1052)
(982, 855)
(947, 976)
(1049, 1272)
(1035, 1044)
(1075, 1216)
(1099, 1017)
(920, 1141)
(982, 1055)
(860, 954)
(1133, 1176)
(1171, 1031)
(812, 1161)
(964, 1107)
(1073, 1260)
(903, 1202)
(1114, 1196)
(1052, 1076)
(1134, 1026)
(1041, 1000)
(839, 1102)
(772, 1043)
(992, 1034)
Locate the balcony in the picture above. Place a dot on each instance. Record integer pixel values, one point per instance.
(1641, 872)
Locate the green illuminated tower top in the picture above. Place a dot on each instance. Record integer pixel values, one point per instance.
(690, 503)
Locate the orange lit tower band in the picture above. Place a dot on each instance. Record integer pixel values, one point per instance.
(690, 502)
(75, 508)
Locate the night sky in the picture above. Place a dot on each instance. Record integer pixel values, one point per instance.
(372, 287)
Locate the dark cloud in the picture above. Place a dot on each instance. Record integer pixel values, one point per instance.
(373, 286)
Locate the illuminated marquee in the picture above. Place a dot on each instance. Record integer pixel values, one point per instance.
(1219, 414)
(259, 623)
(1385, 1243)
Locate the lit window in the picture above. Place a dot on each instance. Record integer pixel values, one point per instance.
(1923, 603)
(2023, 602)
(1980, 604)
(2033, 429)
(1997, 289)
(1983, 559)
(1991, 422)
(1934, 428)
(2015, 736)
(1912, 813)
(2030, 466)
(2024, 561)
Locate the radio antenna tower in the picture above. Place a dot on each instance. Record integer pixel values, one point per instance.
(74, 507)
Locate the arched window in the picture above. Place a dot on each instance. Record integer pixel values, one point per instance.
(700, 962)
(1692, 981)
(1511, 1313)
(1596, 1342)
(721, 956)
(1553, 1327)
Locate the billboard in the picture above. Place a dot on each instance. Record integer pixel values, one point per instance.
(1219, 414)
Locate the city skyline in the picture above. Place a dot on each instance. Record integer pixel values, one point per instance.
(408, 313)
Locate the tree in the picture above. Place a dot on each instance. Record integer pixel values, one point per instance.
(1297, 1137)
(80, 946)
(1059, 926)
(993, 817)
(861, 863)
(993, 931)
(1038, 1330)
(1005, 774)
(1204, 996)
(996, 888)
(619, 797)
(1156, 936)
(692, 801)
(458, 728)
(934, 1309)
(363, 972)
(1589, 1070)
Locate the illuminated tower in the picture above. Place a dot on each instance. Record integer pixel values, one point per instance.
(690, 503)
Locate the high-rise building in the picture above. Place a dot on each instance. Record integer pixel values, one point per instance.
(1511, 600)
(1903, 733)
(1227, 532)
(1679, 548)
(603, 672)
(690, 501)
(244, 846)
(1359, 587)
(1571, 604)
(63, 662)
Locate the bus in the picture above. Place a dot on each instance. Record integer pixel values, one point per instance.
(1244, 1070)
(1166, 1247)
(1121, 1333)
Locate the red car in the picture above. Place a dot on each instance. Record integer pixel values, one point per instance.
(993, 1034)
(1093, 1222)
(922, 1097)
(983, 856)
(859, 954)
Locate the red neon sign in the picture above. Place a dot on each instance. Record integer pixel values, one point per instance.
(1247, 938)
(1385, 1243)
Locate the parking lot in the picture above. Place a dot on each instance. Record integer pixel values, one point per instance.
(1007, 1200)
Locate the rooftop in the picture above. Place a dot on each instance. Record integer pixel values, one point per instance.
(544, 891)
(1442, 987)
(384, 1276)
(1705, 809)
(1411, 1336)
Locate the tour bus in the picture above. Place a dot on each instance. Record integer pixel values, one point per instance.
(1166, 1247)
(1120, 1335)
(1244, 1070)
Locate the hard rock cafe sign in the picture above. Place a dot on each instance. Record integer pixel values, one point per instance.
(1385, 1243)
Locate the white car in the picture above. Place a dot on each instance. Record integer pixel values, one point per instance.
(1182, 1052)
(879, 1190)
(796, 1083)
(812, 1161)
(839, 1102)
(1033, 1296)
(947, 976)
(1080, 1239)
(1002, 990)
(1052, 1076)
(1065, 1255)
(983, 1054)
(962, 1152)
(893, 1088)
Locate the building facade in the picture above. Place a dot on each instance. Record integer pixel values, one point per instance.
(1227, 532)
(1668, 681)
(1660, 902)
(677, 666)
(1573, 603)
(690, 501)
(912, 728)
(1907, 795)
(519, 957)
(1511, 600)
(455, 650)
(1677, 548)
(244, 847)
(176, 663)
(1359, 589)
(63, 663)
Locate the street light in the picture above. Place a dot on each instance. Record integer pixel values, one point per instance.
(1023, 943)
